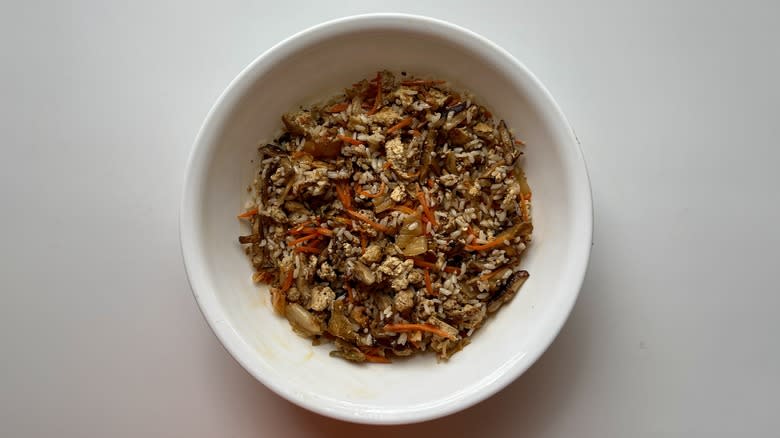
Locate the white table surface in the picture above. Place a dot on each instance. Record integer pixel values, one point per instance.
(675, 332)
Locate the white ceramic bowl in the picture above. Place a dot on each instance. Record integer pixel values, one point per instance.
(321, 61)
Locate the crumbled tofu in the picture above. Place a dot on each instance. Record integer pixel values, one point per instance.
(415, 277)
(400, 279)
(297, 122)
(398, 193)
(326, 272)
(435, 98)
(396, 153)
(404, 300)
(386, 116)
(321, 297)
(373, 254)
(389, 265)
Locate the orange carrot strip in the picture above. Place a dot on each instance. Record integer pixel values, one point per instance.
(308, 249)
(428, 284)
(422, 82)
(426, 208)
(303, 239)
(519, 142)
(344, 195)
(248, 213)
(405, 122)
(375, 225)
(492, 244)
(300, 227)
(387, 165)
(323, 231)
(420, 263)
(362, 192)
(451, 269)
(339, 107)
(362, 242)
(400, 328)
(431, 183)
(287, 281)
(376, 359)
(350, 140)
(299, 154)
(378, 99)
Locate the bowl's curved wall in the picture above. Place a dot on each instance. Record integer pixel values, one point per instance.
(313, 65)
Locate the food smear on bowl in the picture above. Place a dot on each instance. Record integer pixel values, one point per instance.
(390, 219)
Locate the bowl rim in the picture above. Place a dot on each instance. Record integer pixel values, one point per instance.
(189, 228)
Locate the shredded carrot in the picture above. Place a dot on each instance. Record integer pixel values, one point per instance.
(375, 225)
(492, 244)
(519, 142)
(376, 359)
(344, 195)
(420, 263)
(403, 209)
(303, 239)
(350, 293)
(339, 107)
(405, 122)
(428, 284)
(400, 328)
(387, 165)
(308, 249)
(287, 281)
(362, 243)
(323, 231)
(350, 140)
(426, 208)
(299, 154)
(362, 192)
(248, 213)
(491, 274)
(422, 82)
(431, 183)
(527, 196)
(451, 269)
(301, 227)
(378, 99)
(416, 132)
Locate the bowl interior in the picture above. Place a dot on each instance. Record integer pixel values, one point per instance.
(319, 63)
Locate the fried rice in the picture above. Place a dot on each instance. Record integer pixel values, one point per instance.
(390, 219)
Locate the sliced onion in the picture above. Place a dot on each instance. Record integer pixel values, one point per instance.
(416, 246)
(303, 321)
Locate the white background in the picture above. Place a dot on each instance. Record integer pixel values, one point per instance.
(675, 332)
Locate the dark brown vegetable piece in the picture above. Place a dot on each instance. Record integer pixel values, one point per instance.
(509, 291)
